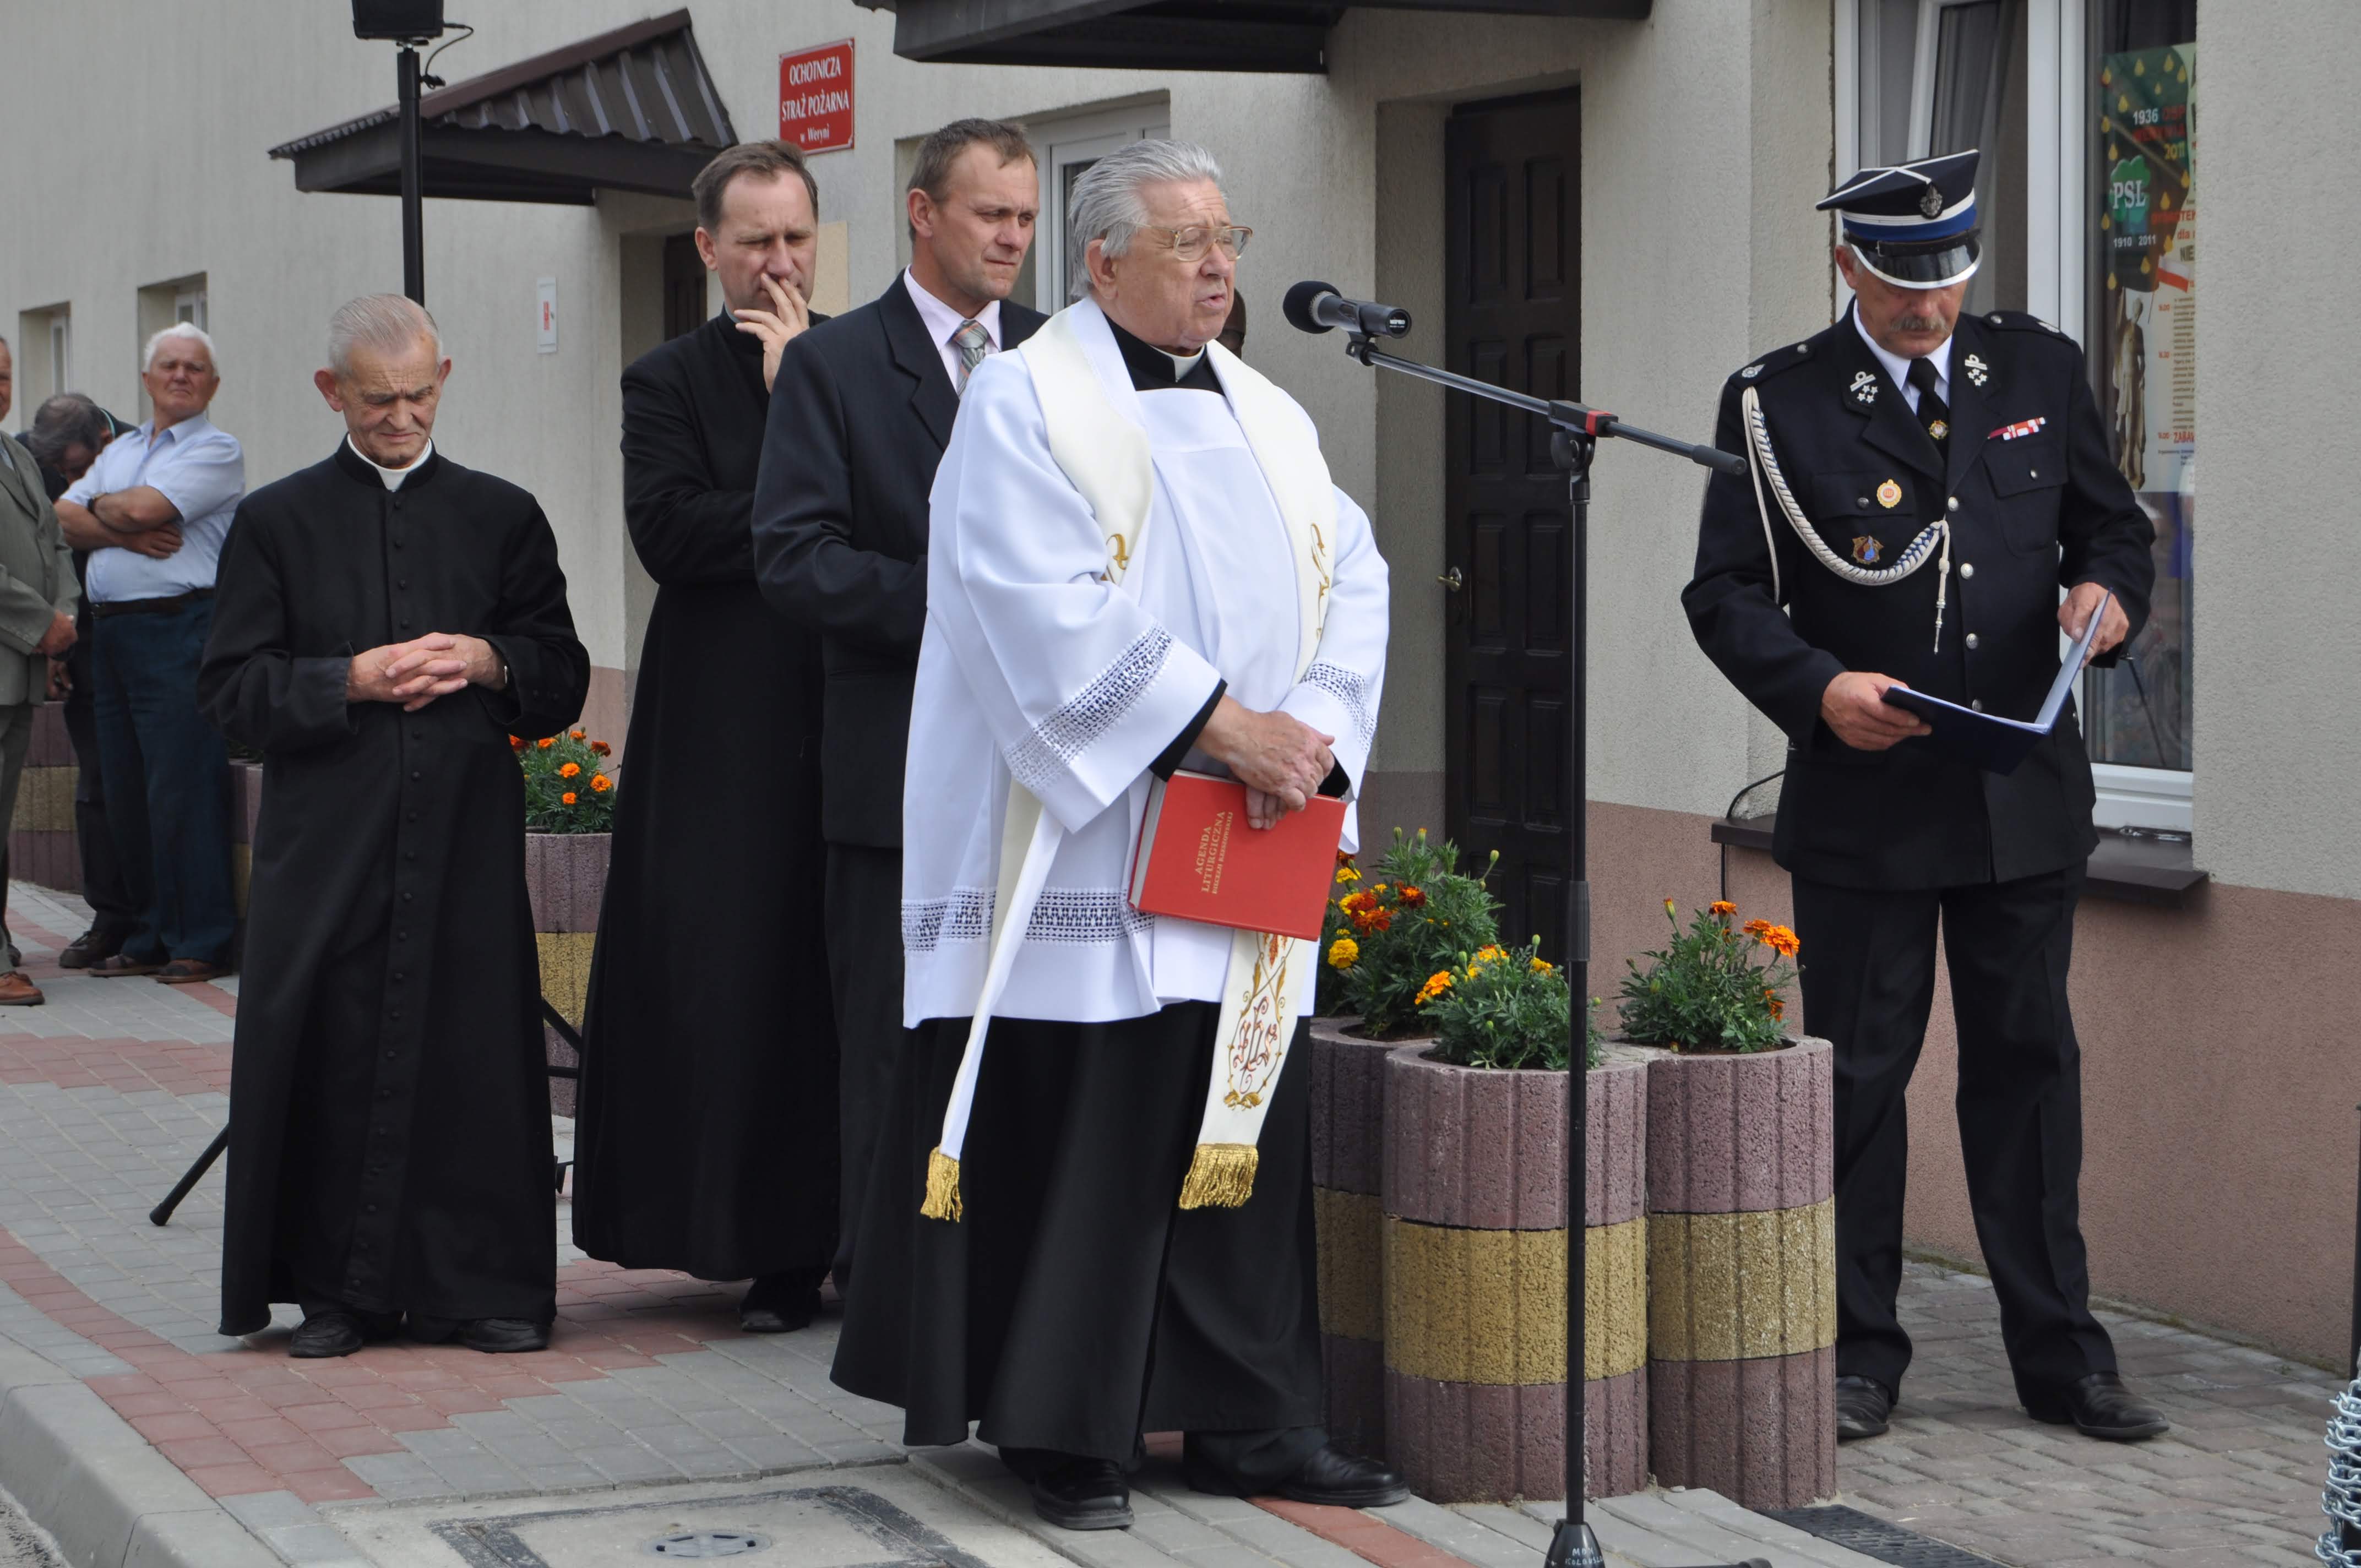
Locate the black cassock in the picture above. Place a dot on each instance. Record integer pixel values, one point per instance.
(706, 1140)
(389, 1137)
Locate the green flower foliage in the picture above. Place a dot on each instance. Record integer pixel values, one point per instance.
(1705, 992)
(1505, 1008)
(547, 784)
(1411, 913)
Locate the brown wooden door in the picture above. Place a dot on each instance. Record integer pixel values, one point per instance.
(1514, 276)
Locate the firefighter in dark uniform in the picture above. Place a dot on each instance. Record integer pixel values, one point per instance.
(1922, 483)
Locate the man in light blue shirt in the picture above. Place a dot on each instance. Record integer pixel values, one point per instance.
(153, 511)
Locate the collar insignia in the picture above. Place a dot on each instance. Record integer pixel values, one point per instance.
(1866, 549)
(1889, 494)
(2023, 427)
(1864, 387)
(1977, 370)
(1752, 371)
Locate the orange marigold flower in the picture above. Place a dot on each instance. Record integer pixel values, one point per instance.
(1492, 953)
(1354, 903)
(568, 770)
(567, 797)
(1343, 856)
(1721, 906)
(579, 734)
(1543, 966)
(544, 743)
(1411, 897)
(1778, 1010)
(599, 747)
(1783, 941)
(1436, 984)
(1758, 930)
(1382, 920)
(600, 783)
(515, 744)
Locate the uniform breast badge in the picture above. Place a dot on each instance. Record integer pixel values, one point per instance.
(1939, 429)
(1751, 371)
(1864, 387)
(1889, 495)
(2023, 427)
(1866, 550)
(1978, 371)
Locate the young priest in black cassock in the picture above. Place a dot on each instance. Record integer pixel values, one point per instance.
(385, 621)
(706, 1137)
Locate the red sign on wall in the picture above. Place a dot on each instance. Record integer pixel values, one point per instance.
(816, 97)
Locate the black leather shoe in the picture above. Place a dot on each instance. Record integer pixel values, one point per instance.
(90, 947)
(2100, 1406)
(1862, 1405)
(1345, 1480)
(493, 1336)
(336, 1332)
(1074, 1493)
(778, 1304)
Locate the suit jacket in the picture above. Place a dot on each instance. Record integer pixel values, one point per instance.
(36, 575)
(859, 413)
(2031, 511)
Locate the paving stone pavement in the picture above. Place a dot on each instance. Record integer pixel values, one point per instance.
(109, 1091)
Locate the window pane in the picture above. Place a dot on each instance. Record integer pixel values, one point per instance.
(2143, 336)
(1979, 102)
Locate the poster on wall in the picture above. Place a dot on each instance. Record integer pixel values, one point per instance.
(2149, 220)
(2146, 219)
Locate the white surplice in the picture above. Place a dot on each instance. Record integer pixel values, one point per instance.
(1033, 667)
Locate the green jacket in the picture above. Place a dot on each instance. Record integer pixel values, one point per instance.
(36, 575)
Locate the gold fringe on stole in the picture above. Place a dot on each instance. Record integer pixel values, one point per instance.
(1220, 1176)
(943, 1188)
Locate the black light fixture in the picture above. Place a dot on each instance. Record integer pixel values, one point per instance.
(408, 23)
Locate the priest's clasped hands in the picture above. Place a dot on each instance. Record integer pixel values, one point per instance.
(1281, 760)
(415, 673)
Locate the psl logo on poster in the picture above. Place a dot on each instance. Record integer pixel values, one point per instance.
(816, 97)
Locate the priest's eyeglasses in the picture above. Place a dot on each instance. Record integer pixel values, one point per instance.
(1190, 244)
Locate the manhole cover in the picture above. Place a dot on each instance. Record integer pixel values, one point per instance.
(1874, 1537)
(708, 1543)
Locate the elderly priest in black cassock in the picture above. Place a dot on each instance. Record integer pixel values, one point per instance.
(1137, 560)
(385, 621)
(706, 1140)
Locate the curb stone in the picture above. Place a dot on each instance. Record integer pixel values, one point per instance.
(83, 1473)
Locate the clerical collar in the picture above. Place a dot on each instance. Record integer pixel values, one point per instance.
(1153, 370)
(393, 477)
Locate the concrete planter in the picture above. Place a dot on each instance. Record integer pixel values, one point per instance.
(41, 846)
(1348, 1129)
(567, 875)
(1475, 1279)
(1741, 1273)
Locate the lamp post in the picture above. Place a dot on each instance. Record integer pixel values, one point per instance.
(408, 23)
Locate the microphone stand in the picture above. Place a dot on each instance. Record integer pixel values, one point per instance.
(1575, 432)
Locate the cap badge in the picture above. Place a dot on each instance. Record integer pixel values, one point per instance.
(1977, 370)
(1752, 371)
(1866, 550)
(1889, 495)
(1931, 202)
(1864, 387)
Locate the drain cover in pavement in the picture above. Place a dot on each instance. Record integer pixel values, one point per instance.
(1873, 1537)
(708, 1543)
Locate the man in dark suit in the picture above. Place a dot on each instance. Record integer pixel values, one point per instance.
(859, 419)
(717, 866)
(1925, 484)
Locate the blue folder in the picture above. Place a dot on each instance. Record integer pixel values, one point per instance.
(1989, 741)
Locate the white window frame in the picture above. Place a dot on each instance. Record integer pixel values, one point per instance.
(189, 305)
(61, 351)
(1062, 143)
(2057, 257)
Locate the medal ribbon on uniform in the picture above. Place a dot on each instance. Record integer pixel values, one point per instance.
(1764, 464)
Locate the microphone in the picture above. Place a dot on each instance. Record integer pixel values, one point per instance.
(1318, 307)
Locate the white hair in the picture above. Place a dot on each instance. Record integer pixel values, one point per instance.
(1107, 202)
(389, 322)
(180, 329)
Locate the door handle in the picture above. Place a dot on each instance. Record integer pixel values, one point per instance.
(1452, 580)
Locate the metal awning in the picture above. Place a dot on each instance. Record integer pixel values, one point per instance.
(632, 109)
(1168, 35)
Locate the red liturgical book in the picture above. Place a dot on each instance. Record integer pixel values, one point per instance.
(1198, 859)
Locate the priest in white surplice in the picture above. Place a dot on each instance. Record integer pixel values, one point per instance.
(1092, 1218)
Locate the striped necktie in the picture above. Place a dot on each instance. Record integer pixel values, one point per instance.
(972, 343)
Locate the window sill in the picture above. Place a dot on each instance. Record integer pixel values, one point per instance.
(2132, 870)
